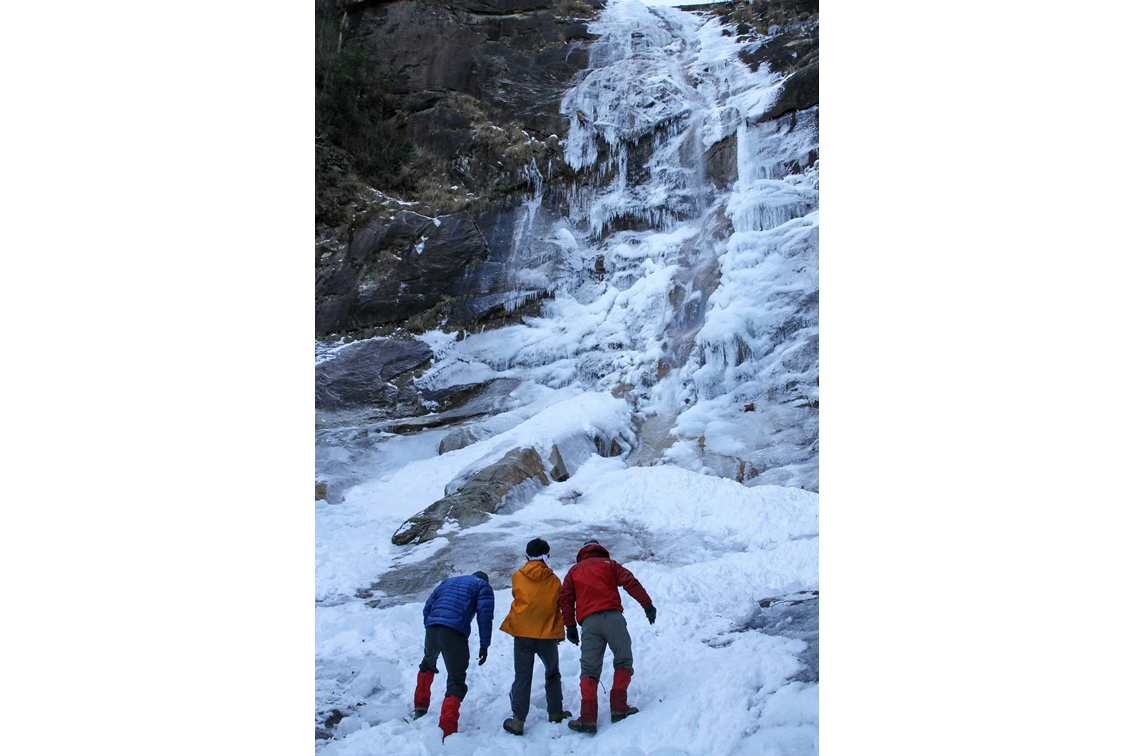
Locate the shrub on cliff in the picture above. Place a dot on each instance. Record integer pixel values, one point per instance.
(355, 104)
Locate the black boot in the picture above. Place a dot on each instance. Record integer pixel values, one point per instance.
(618, 716)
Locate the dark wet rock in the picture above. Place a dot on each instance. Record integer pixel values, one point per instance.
(335, 717)
(786, 52)
(607, 447)
(321, 734)
(474, 400)
(796, 47)
(784, 36)
(514, 56)
(393, 270)
(461, 437)
(476, 498)
(476, 88)
(452, 397)
(569, 454)
(506, 6)
(367, 374)
(405, 229)
(320, 491)
(559, 471)
(498, 478)
(800, 92)
(418, 277)
(514, 272)
(720, 163)
(463, 270)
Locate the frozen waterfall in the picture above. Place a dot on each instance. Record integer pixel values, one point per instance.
(686, 275)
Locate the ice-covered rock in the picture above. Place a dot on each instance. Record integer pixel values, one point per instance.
(461, 437)
(475, 499)
(369, 377)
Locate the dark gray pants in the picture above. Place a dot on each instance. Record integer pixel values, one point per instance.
(454, 649)
(599, 630)
(526, 650)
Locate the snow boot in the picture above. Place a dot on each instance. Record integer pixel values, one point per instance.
(557, 716)
(514, 726)
(618, 708)
(450, 713)
(588, 716)
(421, 694)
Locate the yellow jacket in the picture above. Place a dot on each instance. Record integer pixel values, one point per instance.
(535, 611)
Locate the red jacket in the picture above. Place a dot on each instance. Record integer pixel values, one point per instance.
(592, 585)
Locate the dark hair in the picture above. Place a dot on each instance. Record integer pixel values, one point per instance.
(483, 577)
(592, 541)
(537, 547)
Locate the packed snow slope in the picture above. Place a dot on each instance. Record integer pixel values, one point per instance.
(670, 388)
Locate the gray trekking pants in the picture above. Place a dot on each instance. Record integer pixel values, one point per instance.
(526, 650)
(600, 630)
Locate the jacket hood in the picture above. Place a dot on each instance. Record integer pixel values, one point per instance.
(536, 569)
(594, 550)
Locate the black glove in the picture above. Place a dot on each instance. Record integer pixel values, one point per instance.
(483, 656)
(573, 634)
(651, 613)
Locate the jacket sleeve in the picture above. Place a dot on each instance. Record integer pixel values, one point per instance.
(485, 608)
(567, 600)
(429, 605)
(558, 608)
(625, 579)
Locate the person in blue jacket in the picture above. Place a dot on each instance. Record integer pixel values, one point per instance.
(448, 624)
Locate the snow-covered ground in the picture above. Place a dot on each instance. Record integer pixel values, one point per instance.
(694, 344)
(706, 549)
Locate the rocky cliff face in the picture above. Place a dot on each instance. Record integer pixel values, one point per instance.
(478, 84)
(478, 87)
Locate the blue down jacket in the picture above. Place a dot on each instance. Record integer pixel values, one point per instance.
(453, 603)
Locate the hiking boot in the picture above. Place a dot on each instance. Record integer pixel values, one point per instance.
(419, 713)
(578, 725)
(514, 726)
(618, 716)
(557, 716)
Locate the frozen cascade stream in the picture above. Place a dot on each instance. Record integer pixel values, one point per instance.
(705, 305)
(684, 319)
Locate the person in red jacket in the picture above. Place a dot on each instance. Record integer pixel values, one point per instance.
(590, 595)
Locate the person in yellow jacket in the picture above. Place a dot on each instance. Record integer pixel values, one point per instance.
(536, 622)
